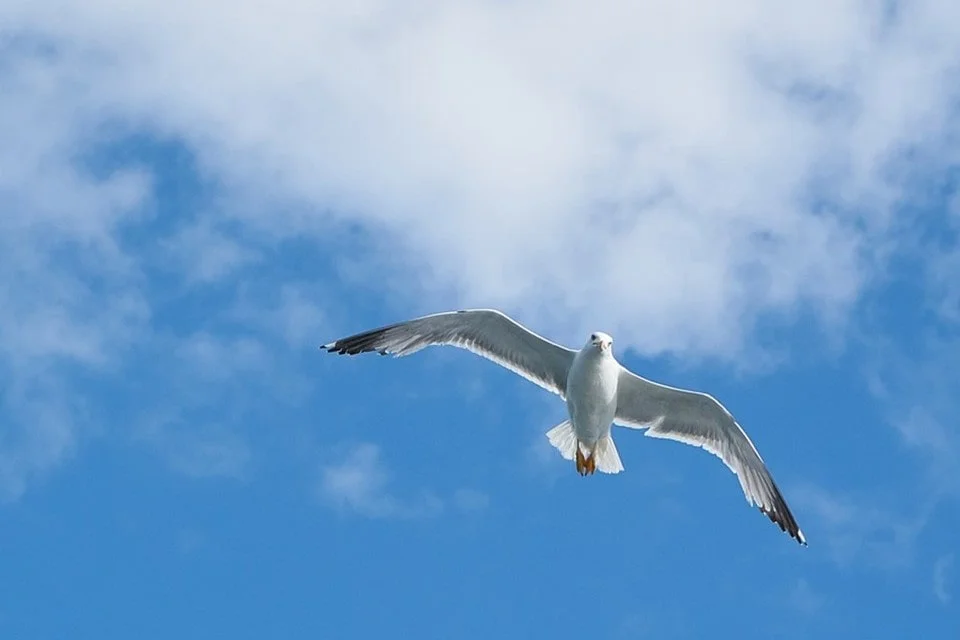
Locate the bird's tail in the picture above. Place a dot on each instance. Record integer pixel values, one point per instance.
(563, 438)
(605, 452)
(606, 455)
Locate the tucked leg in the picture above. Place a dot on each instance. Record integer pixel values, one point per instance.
(590, 464)
(581, 462)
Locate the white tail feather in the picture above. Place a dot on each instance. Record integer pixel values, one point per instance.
(563, 438)
(605, 452)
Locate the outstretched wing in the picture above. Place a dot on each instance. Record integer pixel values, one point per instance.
(486, 332)
(698, 419)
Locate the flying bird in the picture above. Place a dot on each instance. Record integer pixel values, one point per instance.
(598, 391)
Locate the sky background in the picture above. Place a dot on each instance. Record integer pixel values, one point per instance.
(759, 201)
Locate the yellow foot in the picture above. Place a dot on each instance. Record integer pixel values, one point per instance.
(591, 464)
(586, 465)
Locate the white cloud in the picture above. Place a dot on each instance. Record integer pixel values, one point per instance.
(359, 482)
(189, 540)
(42, 425)
(737, 161)
(206, 254)
(211, 357)
(198, 448)
(67, 290)
(667, 171)
(286, 310)
(854, 529)
(804, 598)
(199, 397)
(941, 577)
(917, 385)
(471, 500)
(355, 479)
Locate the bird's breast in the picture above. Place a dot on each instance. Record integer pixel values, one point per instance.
(592, 394)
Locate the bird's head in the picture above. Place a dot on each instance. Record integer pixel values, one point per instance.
(602, 341)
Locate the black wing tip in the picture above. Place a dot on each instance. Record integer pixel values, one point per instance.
(359, 343)
(780, 515)
(333, 347)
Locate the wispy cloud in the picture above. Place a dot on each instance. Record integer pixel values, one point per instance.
(42, 427)
(942, 574)
(937, 443)
(359, 482)
(68, 291)
(471, 500)
(918, 389)
(287, 310)
(205, 254)
(804, 598)
(199, 396)
(197, 448)
(856, 530)
(216, 357)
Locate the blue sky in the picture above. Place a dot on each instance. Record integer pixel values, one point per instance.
(759, 204)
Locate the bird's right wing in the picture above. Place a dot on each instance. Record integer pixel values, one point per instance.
(698, 419)
(486, 332)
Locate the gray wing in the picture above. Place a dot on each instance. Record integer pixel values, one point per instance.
(698, 419)
(486, 332)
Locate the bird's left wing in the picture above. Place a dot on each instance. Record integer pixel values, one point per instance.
(486, 332)
(698, 419)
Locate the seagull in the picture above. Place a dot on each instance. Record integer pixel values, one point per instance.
(599, 392)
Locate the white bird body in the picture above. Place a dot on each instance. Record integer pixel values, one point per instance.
(599, 392)
(592, 405)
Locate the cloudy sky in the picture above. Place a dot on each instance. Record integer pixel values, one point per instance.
(758, 200)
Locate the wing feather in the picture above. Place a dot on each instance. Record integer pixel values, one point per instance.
(485, 332)
(700, 420)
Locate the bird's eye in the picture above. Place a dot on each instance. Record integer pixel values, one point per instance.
(593, 336)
